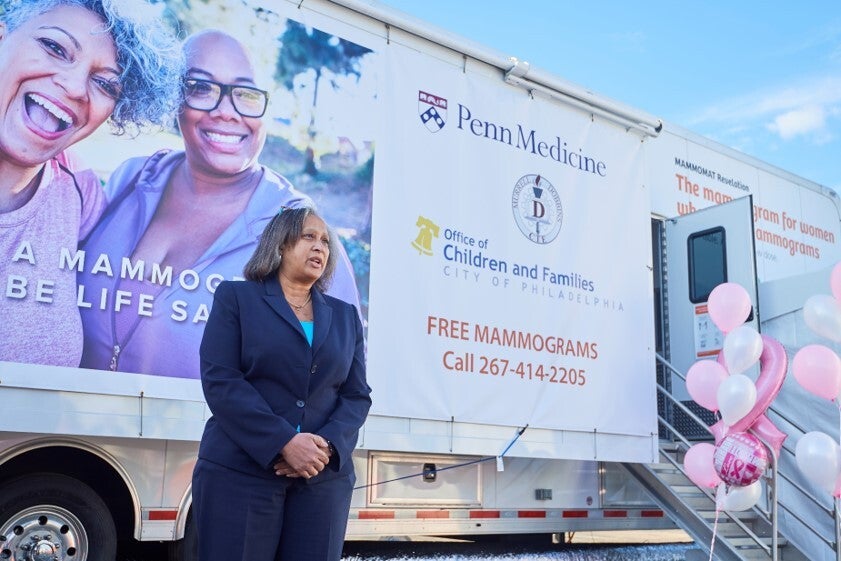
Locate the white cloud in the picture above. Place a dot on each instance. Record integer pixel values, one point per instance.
(801, 121)
(795, 110)
(760, 104)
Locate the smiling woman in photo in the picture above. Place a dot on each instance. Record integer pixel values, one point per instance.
(187, 220)
(67, 67)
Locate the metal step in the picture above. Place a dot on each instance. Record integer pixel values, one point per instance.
(694, 510)
(739, 536)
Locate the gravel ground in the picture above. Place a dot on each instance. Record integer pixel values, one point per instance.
(512, 551)
(589, 546)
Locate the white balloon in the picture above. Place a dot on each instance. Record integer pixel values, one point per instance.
(817, 456)
(736, 397)
(740, 498)
(822, 313)
(742, 348)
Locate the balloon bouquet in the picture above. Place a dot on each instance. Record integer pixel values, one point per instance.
(735, 463)
(744, 435)
(818, 370)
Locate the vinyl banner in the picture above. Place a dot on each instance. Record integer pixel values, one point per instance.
(510, 264)
(497, 245)
(112, 261)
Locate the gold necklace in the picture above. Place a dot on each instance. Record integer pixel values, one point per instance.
(296, 307)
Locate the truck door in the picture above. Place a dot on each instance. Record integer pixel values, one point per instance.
(703, 249)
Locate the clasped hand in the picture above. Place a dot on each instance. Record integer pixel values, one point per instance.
(303, 456)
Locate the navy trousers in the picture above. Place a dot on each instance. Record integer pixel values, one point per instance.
(242, 517)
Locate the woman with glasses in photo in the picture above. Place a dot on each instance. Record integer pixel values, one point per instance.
(185, 221)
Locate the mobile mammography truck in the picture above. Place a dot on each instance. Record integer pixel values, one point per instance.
(530, 263)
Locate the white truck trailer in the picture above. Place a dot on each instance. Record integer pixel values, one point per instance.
(526, 270)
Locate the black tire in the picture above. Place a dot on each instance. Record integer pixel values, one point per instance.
(187, 548)
(61, 516)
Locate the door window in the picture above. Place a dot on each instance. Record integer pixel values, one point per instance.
(707, 263)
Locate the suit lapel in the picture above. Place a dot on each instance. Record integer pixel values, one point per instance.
(321, 311)
(322, 317)
(274, 297)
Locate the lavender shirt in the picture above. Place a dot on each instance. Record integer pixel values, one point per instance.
(39, 320)
(159, 325)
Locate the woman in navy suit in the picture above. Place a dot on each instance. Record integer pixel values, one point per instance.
(283, 372)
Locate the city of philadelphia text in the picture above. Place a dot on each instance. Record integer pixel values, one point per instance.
(468, 258)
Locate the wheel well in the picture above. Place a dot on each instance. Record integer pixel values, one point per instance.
(87, 468)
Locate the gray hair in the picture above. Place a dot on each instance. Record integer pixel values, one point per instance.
(284, 230)
(148, 54)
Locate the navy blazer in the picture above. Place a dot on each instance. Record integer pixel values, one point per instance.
(262, 380)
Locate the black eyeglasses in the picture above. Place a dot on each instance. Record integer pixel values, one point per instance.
(206, 95)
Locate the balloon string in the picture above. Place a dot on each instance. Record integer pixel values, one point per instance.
(715, 529)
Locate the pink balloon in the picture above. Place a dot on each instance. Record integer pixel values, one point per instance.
(728, 305)
(818, 370)
(702, 381)
(699, 465)
(772, 373)
(837, 492)
(835, 281)
(740, 459)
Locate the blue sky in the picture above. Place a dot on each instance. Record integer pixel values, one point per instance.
(761, 77)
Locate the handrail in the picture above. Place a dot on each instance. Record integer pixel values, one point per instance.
(775, 503)
(735, 520)
(835, 511)
(686, 410)
(775, 526)
(837, 529)
(788, 478)
(686, 443)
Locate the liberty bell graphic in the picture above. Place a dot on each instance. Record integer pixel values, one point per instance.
(427, 230)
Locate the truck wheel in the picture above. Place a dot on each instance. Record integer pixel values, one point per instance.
(55, 517)
(187, 548)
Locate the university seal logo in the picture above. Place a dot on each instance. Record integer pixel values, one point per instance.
(537, 209)
(432, 110)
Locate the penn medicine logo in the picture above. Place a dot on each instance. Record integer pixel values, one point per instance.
(537, 209)
(432, 110)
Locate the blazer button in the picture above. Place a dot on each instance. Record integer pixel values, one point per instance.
(300, 403)
(313, 369)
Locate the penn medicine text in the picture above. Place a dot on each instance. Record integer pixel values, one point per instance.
(528, 141)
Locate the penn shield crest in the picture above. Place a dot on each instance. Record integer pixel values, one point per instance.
(432, 110)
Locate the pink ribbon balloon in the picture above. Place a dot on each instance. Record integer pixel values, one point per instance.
(740, 459)
(772, 373)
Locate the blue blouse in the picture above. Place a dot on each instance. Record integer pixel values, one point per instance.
(308, 326)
